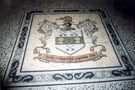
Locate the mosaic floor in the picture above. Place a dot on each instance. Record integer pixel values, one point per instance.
(64, 47)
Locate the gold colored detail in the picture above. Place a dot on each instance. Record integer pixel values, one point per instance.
(77, 39)
(68, 18)
(60, 42)
(102, 49)
(47, 77)
(38, 78)
(60, 39)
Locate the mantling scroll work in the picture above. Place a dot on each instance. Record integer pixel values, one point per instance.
(69, 39)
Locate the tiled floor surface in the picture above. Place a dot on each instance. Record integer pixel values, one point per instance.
(12, 12)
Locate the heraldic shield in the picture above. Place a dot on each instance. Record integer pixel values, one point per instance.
(69, 41)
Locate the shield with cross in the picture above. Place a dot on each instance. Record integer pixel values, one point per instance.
(70, 41)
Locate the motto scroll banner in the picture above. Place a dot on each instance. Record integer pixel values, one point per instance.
(71, 59)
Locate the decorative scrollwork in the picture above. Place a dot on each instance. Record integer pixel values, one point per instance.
(29, 14)
(18, 78)
(103, 14)
(61, 77)
(89, 28)
(125, 72)
(77, 76)
(87, 75)
(129, 68)
(113, 35)
(22, 37)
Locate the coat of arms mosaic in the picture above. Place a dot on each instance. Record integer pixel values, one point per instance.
(67, 47)
(69, 39)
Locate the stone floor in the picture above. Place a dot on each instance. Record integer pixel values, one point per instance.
(121, 13)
